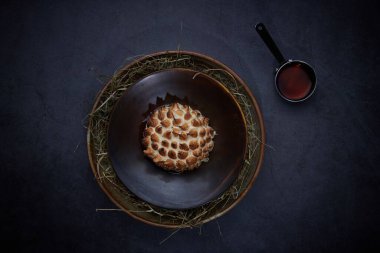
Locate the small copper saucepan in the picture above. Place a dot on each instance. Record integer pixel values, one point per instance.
(295, 80)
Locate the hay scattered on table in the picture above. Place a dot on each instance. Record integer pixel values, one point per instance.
(105, 174)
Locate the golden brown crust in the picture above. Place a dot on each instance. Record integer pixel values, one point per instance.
(174, 145)
(193, 144)
(183, 136)
(166, 123)
(197, 152)
(161, 115)
(178, 138)
(148, 131)
(162, 151)
(183, 146)
(193, 133)
(155, 146)
(152, 122)
(195, 122)
(187, 116)
(181, 165)
(168, 135)
(154, 138)
(165, 143)
(202, 143)
(146, 142)
(191, 161)
(182, 154)
(184, 126)
(169, 164)
(158, 129)
(176, 122)
(169, 114)
(172, 154)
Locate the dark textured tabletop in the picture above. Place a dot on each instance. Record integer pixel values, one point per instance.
(318, 190)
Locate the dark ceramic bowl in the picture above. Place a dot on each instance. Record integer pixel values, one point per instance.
(155, 185)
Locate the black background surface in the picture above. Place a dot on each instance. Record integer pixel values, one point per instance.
(318, 190)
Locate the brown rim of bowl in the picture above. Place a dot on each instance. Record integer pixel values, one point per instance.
(262, 141)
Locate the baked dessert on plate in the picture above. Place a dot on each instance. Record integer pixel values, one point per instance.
(178, 138)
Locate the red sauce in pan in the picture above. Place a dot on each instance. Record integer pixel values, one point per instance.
(293, 82)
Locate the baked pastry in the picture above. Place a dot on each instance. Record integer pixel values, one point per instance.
(178, 138)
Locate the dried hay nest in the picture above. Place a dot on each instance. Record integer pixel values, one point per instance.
(97, 139)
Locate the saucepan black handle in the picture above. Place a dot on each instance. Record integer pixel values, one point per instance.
(264, 34)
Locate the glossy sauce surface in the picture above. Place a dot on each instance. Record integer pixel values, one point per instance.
(294, 82)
